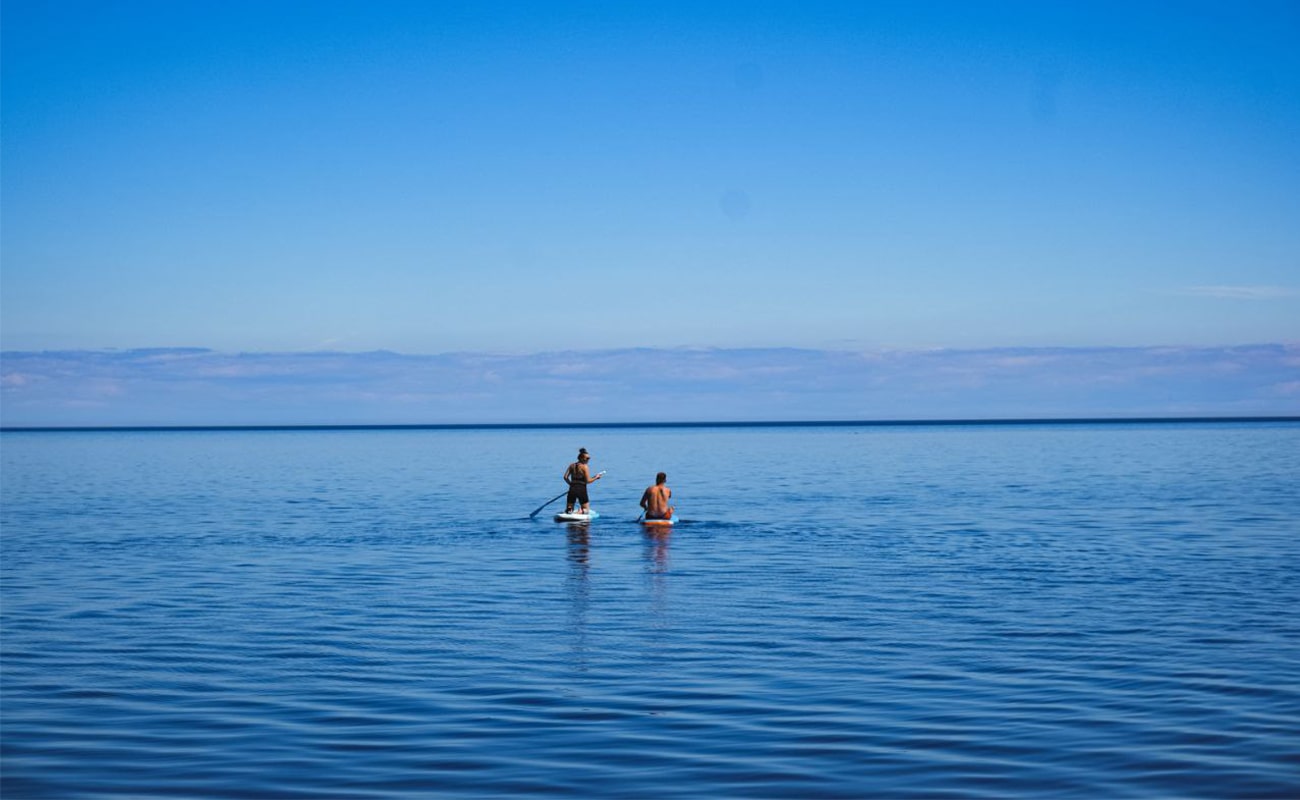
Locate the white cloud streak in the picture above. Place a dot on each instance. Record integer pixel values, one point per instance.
(204, 387)
(1241, 292)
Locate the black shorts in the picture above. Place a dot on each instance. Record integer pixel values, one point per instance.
(577, 494)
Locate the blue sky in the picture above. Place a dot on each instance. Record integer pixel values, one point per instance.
(513, 178)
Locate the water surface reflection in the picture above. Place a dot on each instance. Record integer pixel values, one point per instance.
(577, 584)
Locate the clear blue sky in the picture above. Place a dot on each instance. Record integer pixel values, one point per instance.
(430, 177)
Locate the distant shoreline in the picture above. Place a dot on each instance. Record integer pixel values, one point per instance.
(887, 423)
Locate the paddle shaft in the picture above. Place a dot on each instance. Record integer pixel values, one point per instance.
(547, 503)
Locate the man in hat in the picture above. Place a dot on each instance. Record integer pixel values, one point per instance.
(578, 476)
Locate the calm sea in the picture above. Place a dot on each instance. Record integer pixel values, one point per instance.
(956, 611)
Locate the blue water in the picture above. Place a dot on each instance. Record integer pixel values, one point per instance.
(982, 611)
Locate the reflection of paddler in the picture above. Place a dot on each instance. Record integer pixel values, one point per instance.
(655, 501)
(578, 476)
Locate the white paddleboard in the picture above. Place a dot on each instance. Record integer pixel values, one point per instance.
(576, 516)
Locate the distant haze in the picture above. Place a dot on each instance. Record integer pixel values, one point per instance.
(206, 387)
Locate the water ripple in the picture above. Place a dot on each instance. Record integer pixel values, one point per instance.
(314, 627)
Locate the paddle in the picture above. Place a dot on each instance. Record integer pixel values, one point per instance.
(557, 497)
(547, 503)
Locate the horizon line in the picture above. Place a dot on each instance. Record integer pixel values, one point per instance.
(843, 423)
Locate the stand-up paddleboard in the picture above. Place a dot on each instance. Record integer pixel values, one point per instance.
(577, 516)
(659, 523)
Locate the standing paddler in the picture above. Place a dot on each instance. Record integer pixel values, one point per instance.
(578, 475)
